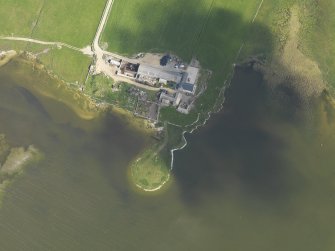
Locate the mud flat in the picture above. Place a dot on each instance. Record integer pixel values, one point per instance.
(13, 161)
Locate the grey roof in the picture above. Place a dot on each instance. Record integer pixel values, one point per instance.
(167, 96)
(187, 87)
(154, 72)
(192, 74)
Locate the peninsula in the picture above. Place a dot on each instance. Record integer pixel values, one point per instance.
(170, 67)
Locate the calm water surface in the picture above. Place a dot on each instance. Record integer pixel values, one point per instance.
(260, 176)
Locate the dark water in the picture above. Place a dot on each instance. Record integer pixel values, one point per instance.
(263, 170)
(260, 176)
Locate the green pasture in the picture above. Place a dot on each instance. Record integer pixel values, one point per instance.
(69, 65)
(150, 170)
(319, 35)
(17, 17)
(104, 89)
(6, 45)
(188, 28)
(74, 22)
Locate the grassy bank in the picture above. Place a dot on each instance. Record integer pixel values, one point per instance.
(319, 35)
(149, 172)
(34, 77)
(151, 169)
(69, 65)
(316, 36)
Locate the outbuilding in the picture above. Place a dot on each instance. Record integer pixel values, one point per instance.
(146, 71)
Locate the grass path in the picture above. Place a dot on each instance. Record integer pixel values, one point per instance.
(30, 40)
(259, 8)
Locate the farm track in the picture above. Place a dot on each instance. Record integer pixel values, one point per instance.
(259, 7)
(31, 40)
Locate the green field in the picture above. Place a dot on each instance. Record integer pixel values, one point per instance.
(18, 16)
(319, 35)
(69, 65)
(202, 28)
(72, 22)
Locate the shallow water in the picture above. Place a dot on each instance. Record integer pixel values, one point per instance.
(259, 176)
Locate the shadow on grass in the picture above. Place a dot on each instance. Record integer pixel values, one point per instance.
(211, 34)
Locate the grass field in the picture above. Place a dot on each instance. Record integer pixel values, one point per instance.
(184, 27)
(73, 22)
(319, 35)
(150, 171)
(69, 65)
(18, 16)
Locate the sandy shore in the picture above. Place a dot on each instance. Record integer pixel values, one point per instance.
(6, 56)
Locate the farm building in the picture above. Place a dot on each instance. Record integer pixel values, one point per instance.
(149, 72)
(185, 87)
(192, 74)
(128, 70)
(189, 79)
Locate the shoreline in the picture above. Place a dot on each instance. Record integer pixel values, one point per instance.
(82, 104)
(138, 124)
(6, 56)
